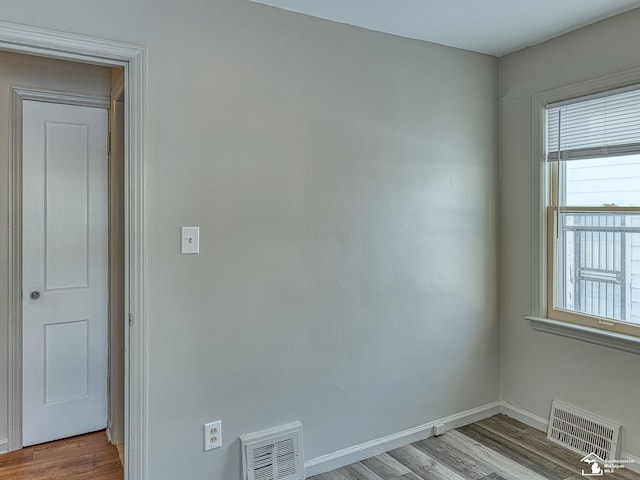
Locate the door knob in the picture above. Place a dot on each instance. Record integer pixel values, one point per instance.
(35, 294)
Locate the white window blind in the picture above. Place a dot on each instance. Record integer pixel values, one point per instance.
(595, 126)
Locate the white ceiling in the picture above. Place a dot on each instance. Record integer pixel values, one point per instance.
(495, 27)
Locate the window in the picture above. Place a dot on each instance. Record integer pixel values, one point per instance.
(593, 213)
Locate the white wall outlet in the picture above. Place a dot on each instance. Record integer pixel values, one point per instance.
(190, 240)
(438, 429)
(212, 435)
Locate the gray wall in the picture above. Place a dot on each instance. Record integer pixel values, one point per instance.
(538, 367)
(38, 73)
(345, 184)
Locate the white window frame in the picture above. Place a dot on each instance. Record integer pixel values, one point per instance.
(540, 200)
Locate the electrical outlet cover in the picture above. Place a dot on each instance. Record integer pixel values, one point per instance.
(212, 435)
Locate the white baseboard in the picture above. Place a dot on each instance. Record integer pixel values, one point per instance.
(4, 446)
(520, 414)
(634, 466)
(347, 456)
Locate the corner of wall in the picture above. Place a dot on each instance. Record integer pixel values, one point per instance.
(524, 416)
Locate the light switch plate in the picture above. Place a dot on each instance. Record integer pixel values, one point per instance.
(190, 240)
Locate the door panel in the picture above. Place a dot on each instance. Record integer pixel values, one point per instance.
(66, 222)
(65, 260)
(66, 361)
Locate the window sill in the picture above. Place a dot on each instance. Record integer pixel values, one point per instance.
(619, 341)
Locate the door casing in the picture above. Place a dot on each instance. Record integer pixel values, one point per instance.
(47, 43)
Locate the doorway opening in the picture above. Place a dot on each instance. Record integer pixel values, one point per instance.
(67, 282)
(130, 59)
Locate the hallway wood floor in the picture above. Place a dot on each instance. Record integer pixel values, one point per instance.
(498, 448)
(85, 457)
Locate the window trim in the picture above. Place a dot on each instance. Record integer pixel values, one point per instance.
(619, 341)
(540, 201)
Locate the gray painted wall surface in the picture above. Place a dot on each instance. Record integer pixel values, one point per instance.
(37, 73)
(538, 367)
(345, 184)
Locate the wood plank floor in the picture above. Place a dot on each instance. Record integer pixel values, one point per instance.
(86, 457)
(498, 448)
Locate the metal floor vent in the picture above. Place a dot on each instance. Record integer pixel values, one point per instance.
(583, 432)
(274, 454)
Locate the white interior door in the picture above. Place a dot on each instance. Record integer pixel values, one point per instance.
(65, 273)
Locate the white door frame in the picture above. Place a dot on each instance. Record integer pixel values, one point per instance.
(47, 43)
